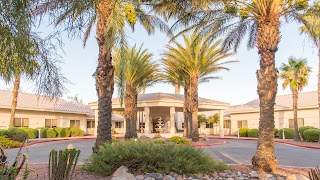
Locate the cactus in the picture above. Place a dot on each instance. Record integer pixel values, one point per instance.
(314, 174)
(11, 172)
(62, 164)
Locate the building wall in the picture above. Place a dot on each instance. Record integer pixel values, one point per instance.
(310, 116)
(37, 118)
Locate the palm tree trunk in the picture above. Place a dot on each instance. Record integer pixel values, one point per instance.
(129, 112)
(185, 112)
(194, 108)
(268, 36)
(295, 115)
(104, 85)
(177, 89)
(14, 98)
(319, 82)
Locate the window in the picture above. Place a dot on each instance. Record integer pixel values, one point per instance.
(227, 124)
(21, 122)
(142, 125)
(243, 124)
(50, 123)
(75, 123)
(209, 125)
(182, 125)
(90, 124)
(118, 124)
(300, 123)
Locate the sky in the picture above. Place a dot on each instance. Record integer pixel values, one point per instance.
(237, 86)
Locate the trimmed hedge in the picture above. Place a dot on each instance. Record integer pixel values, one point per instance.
(276, 132)
(61, 132)
(17, 134)
(75, 132)
(8, 143)
(312, 135)
(304, 128)
(243, 132)
(179, 140)
(288, 133)
(31, 133)
(253, 133)
(51, 133)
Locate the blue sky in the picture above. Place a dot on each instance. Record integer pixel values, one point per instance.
(239, 85)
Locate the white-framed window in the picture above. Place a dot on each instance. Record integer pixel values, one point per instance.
(243, 124)
(91, 124)
(75, 123)
(300, 123)
(227, 124)
(118, 124)
(21, 122)
(209, 125)
(51, 123)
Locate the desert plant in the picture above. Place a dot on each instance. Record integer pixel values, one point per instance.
(314, 174)
(179, 140)
(304, 128)
(3, 132)
(61, 132)
(75, 132)
(62, 164)
(253, 133)
(312, 135)
(288, 133)
(157, 136)
(17, 134)
(31, 133)
(10, 172)
(8, 143)
(159, 141)
(243, 132)
(51, 133)
(146, 156)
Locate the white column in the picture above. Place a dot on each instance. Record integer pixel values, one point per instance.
(172, 123)
(147, 120)
(221, 114)
(124, 126)
(96, 122)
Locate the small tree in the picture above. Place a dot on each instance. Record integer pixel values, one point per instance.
(75, 99)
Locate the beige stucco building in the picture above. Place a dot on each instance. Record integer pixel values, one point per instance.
(247, 115)
(39, 111)
(168, 107)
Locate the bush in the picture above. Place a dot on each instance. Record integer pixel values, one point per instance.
(75, 132)
(114, 139)
(61, 132)
(3, 132)
(302, 129)
(243, 132)
(312, 135)
(31, 133)
(179, 140)
(51, 133)
(157, 136)
(276, 134)
(159, 141)
(253, 133)
(8, 143)
(288, 133)
(17, 134)
(44, 132)
(147, 157)
(68, 132)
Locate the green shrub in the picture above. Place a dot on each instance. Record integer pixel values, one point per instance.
(3, 132)
(44, 132)
(8, 143)
(288, 133)
(157, 136)
(253, 133)
(276, 134)
(302, 129)
(243, 132)
(312, 135)
(147, 157)
(75, 132)
(179, 140)
(61, 132)
(68, 132)
(31, 133)
(114, 139)
(17, 134)
(51, 133)
(159, 141)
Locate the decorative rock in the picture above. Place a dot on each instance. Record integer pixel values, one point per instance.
(205, 177)
(140, 177)
(227, 171)
(241, 178)
(167, 177)
(172, 178)
(279, 178)
(222, 174)
(122, 174)
(149, 178)
(254, 174)
(154, 175)
(159, 177)
(238, 173)
(265, 176)
(179, 177)
(297, 177)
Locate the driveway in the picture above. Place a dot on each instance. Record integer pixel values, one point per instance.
(233, 152)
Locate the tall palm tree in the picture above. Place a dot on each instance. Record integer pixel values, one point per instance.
(314, 34)
(130, 79)
(261, 19)
(199, 58)
(295, 75)
(109, 17)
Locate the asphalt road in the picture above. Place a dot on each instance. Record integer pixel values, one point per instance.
(234, 152)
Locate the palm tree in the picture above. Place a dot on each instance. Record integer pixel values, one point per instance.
(198, 59)
(130, 80)
(261, 19)
(110, 17)
(314, 34)
(295, 75)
